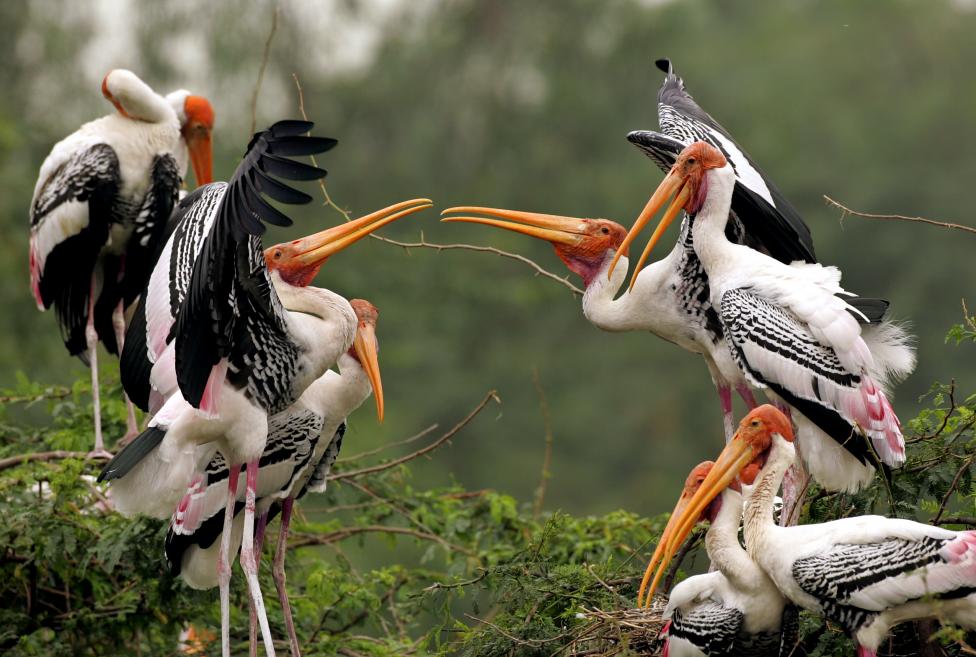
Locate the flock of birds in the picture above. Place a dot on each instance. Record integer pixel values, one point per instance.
(248, 371)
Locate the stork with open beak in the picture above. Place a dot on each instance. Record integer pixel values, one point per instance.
(791, 330)
(100, 208)
(867, 573)
(663, 301)
(229, 333)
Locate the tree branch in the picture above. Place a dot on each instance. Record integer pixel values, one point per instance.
(55, 455)
(952, 488)
(386, 446)
(957, 520)
(846, 211)
(423, 243)
(305, 540)
(491, 396)
(264, 64)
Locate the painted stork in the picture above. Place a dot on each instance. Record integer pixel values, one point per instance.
(228, 334)
(303, 444)
(734, 610)
(665, 301)
(791, 331)
(867, 574)
(99, 212)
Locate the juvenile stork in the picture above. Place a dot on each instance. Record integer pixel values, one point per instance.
(735, 610)
(228, 334)
(866, 574)
(791, 331)
(99, 212)
(303, 444)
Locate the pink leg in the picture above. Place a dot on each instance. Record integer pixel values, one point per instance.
(745, 392)
(249, 562)
(223, 565)
(725, 397)
(252, 613)
(131, 427)
(866, 652)
(91, 338)
(278, 573)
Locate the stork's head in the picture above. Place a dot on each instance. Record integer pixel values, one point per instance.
(744, 455)
(365, 348)
(297, 262)
(687, 184)
(582, 244)
(196, 117)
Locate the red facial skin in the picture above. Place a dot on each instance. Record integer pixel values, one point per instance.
(586, 257)
(367, 314)
(283, 258)
(757, 429)
(692, 164)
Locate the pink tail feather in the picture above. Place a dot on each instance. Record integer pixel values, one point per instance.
(874, 414)
(35, 274)
(211, 394)
(186, 520)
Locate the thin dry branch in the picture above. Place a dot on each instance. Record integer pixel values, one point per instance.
(423, 243)
(55, 455)
(50, 393)
(305, 540)
(846, 211)
(490, 396)
(957, 520)
(264, 65)
(952, 488)
(386, 446)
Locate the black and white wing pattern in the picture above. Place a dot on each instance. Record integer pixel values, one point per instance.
(855, 582)
(198, 521)
(777, 351)
(210, 308)
(771, 223)
(320, 474)
(71, 214)
(709, 626)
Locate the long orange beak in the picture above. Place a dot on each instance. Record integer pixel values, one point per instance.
(736, 456)
(198, 142)
(368, 354)
(678, 512)
(316, 248)
(673, 184)
(548, 227)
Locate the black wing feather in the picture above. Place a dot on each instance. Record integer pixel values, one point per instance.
(132, 454)
(207, 320)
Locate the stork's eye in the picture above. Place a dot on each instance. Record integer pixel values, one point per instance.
(691, 160)
(605, 230)
(755, 423)
(277, 254)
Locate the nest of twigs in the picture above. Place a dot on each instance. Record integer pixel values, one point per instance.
(620, 632)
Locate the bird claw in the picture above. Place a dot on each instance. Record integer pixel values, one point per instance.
(99, 454)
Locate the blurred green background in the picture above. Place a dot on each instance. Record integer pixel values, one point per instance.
(526, 105)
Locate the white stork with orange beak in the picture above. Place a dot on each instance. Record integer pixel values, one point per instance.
(734, 611)
(867, 573)
(229, 334)
(790, 330)
(100, 208)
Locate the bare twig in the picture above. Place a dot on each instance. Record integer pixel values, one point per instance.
(491, 396)
(50, 393)
(55, 455)
(386, 446)
(540, 491)
(423, 243)
(264, 64)
(456, 585)
(957, 520)
(945, 418)
(896, 217)
(304, 540)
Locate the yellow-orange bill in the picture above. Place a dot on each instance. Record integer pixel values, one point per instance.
(318, 247)
(736, 455)
(548, 227)
(368, 353)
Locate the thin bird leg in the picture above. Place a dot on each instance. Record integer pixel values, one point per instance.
(278, 573)
(91, 337)
(131, 427)
(725, 397)
(745, 392)
(252, 613)
(223, 564)
(866, 652)
(249, 563)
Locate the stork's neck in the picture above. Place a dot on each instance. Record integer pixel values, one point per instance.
(708, 226)
(722, 544)
(144, 104)
(633, 310)
(334, 396)
(320, 322)
(758, 518)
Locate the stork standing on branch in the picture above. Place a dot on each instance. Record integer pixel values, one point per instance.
(100, 209)
(867, 573)
(303, 444)
(229, 334)
(791, 331)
